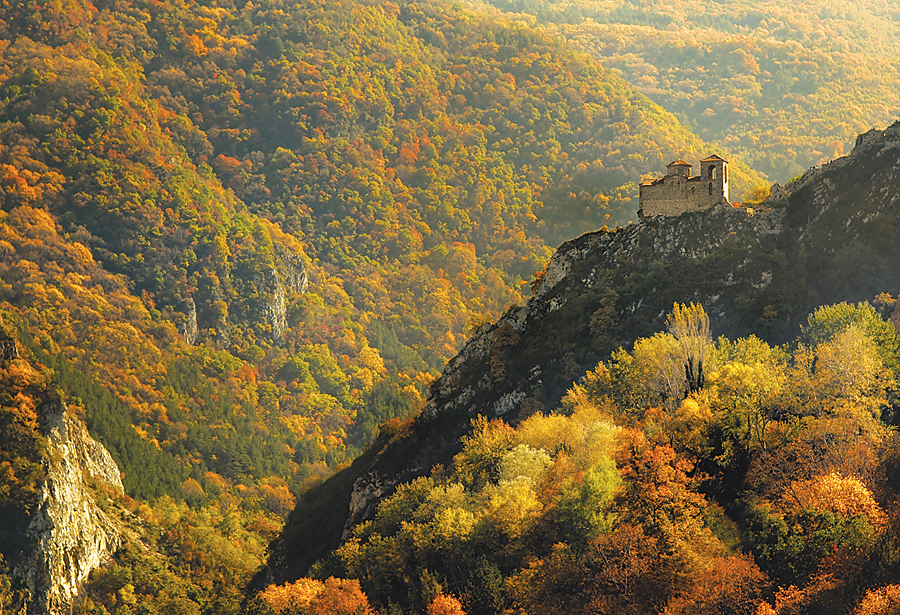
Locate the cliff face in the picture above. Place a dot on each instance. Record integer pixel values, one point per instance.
(756, 272)
(69, 533)
(261, 298)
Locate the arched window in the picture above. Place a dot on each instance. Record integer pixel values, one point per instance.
(712, 172)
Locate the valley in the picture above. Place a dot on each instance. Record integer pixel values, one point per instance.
(321, 280)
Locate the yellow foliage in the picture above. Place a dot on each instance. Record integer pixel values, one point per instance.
(291, 595)
(849, 367)
(483, 450)
(362, 380)
(440, 497)
(511, 505)
(756, 195)
(524, 462)
(371, 359)
(452, 524)
(588, 434)
(688, 424)
(299, 425)
(748, 384)
(126, 595)
(542, 431)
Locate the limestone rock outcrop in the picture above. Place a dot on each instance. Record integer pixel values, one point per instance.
(69, 534)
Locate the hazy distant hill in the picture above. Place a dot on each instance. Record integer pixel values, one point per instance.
(783, 85)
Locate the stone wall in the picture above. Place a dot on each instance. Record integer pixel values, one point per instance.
(678, 192)
(673, 195)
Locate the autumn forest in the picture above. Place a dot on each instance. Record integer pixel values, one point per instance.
(241, 241)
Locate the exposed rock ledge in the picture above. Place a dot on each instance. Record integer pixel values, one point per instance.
(70, 535)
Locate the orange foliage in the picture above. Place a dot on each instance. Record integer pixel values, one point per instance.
(845, 496)
(445, 605)
(331, 597)
(277, 496)
(882, 601)
(625, 570)
(822, 591)
(340, 597)
(661, 495)
(730, 585)
(291, 595)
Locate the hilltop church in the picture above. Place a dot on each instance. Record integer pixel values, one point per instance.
(679, 192)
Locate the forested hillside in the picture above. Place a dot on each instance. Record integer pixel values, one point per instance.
(319, 198)
(783, 85)
(686, 476)
(237, 237)
(760, 273)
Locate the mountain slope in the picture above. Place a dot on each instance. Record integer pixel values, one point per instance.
(240, 236)
(322, 234)
(756, 272)
(782, 86)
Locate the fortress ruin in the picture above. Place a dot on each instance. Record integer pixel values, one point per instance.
(678, 192)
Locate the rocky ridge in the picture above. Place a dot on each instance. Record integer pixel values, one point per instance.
(502, 372)
(264, 301)
(869, 144)
(69, 533)
(756, 272)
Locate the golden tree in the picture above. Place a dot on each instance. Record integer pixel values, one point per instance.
(689, 324)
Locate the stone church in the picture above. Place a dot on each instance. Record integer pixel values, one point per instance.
(679, 191)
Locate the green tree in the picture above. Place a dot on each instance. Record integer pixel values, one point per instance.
(582, 509)
(827, 322)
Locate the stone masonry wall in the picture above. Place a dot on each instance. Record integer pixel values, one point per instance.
(673, 195)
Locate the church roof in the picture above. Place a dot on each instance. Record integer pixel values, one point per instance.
(713, 157)
(679, 163)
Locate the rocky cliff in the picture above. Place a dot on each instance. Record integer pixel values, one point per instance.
(829, 237)
(257, 296)
(69, 534)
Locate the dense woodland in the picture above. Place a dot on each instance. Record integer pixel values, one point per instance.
(689, 475)
(199, 161)
(166, 159)
(238, 237)
(784, 86)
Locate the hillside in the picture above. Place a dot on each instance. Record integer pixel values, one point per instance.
(686, 476)
(826, 238)
(237, 237)
(321, 235)
(279, 195)
(782, 86)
